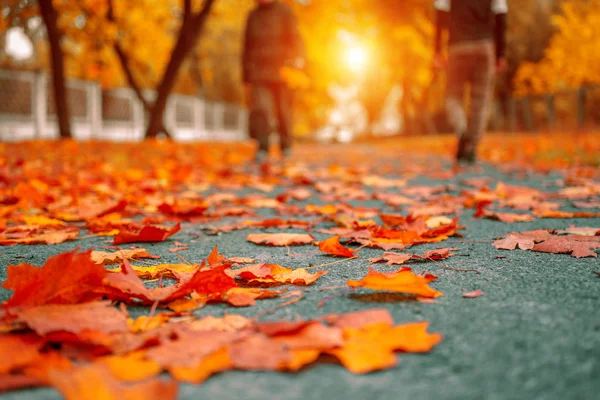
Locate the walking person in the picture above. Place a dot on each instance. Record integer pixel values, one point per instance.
(272, 42)
(477, 30)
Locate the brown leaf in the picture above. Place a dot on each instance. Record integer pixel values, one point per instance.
(523, 240)
(577, 246)
(392, 258)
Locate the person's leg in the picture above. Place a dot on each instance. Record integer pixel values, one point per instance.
(456, 81)
(285, 118)
(482, 89)
(262, 118)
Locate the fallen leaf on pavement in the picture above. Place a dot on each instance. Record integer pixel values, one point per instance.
(472, 295)
(102, 257)
(392, 258)
(66, 278)
(401, 281)
(333, 247)
(97, 316)
(280, 239)
(147, 233)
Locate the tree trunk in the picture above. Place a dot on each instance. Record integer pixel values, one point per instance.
(124, 62)
(188, 35)
(50, 17)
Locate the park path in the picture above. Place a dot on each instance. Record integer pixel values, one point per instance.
(522, 323)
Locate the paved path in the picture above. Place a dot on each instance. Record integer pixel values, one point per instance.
(534, 334)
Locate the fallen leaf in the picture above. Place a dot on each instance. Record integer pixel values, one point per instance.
(273, 273)
(523, 240)
(508, 218)
(581, 231)
(280, 239)
(372, 347)
(97, 316)
(47, 236)
(392, 258)
(358, 319)
(147, 233)
(131, 367)
(402, 281)
(66, 278)
(96, 379)
(102, 257)
(577, 246)
(213, 363)
(18, 351)
(258, 353)
(472, 295)
(333, 247)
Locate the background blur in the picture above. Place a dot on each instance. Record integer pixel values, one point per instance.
(369, 68)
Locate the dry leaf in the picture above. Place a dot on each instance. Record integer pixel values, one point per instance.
(402, 281)
(333, 247)
(280, 239)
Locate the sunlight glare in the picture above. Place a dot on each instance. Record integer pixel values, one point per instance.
(357, 58)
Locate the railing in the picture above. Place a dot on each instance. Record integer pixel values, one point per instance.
(27, 112)
(564, 111)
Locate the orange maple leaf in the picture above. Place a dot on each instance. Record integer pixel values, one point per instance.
(401, 281)
(332, 246)
(66, 278)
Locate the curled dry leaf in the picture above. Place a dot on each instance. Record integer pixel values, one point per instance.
(280, 239)
(333, 247)
(102, 257)
(273, 273)
(51, 235)
(392, 258)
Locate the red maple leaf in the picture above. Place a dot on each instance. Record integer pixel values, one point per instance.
(147, 233)
(66, 278)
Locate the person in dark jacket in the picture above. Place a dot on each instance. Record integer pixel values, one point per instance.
(477, 30)
(272, 41)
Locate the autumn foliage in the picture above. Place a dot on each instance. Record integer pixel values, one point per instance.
(67, 320)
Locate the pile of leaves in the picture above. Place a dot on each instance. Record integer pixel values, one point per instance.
(61, 328)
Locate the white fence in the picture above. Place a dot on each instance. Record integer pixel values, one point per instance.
(27, 112)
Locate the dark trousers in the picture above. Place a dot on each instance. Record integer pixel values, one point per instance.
(470, 64)
(271, 110)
